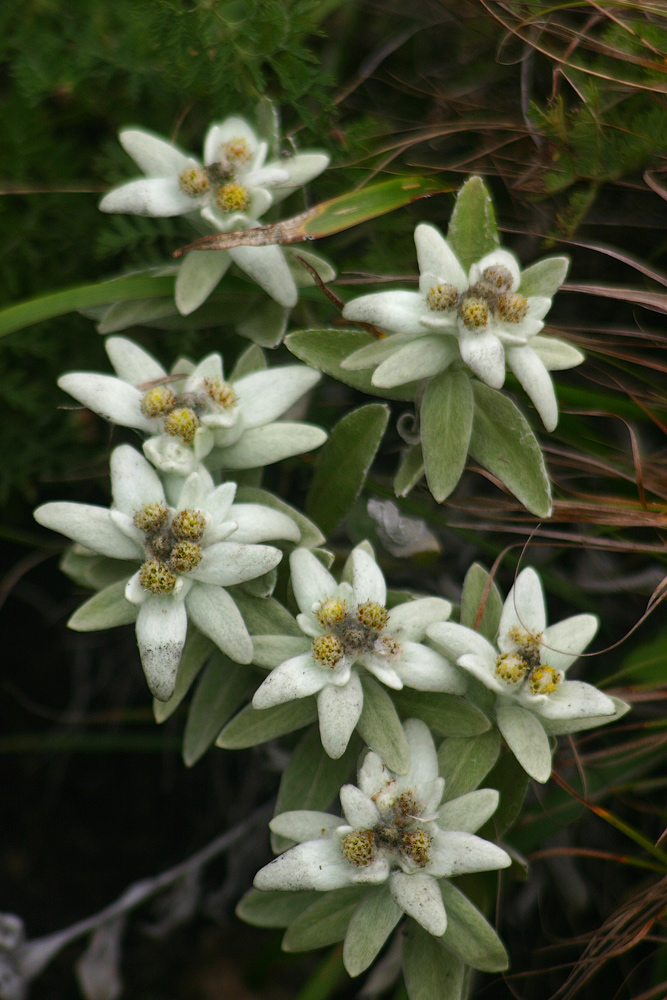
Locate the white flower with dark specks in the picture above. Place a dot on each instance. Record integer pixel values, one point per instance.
(351, 631)
(231, 190)
(527, 671)
(481, 318)
(395, 831)
(188, 555)
(193, 412)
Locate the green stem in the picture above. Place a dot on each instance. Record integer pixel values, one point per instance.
(83, 297)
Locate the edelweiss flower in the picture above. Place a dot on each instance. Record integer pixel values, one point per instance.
(394, 832)
(527, 673)
(481, 318)
(187, 555)
(352, 630)
(231, 190)
(199, 414)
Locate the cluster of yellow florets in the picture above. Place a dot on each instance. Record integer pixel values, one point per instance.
(331, 612)
(511, 668)
(327, 650)
(492, 293)
(497, 277)
(474, 311)
(189, 524)
(373, 616)
(185, 556)
(544, 679)
(236, 151)
(416, 845)
(442, 297)
(511, 307)
(194, 181)
(358, 847)
(156, 577)
(220, 392)
(232, 197)
(182, 422)
(152, 517)
(157, 401)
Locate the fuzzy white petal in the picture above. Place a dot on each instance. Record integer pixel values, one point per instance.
(526, 738)
(134, 482)
(456, 853)
(423, 765)
(536, 381)
(132, 363)
(295, 678)
(215, 614)
(304, 824)
(469, 812)
(302, 168)
(421, 358)
(570, 700)
(317, 864)
(154, 156)
(484, 355)
(158, 197)
(524, 608)
(359, 810)
(563, 642)
(555, 354)
(90, 526)
(268, 267)
(170, 454)
(480, 668)
(456, 640)
(257, 523)
(266, 395)
(115, 400)
(228, 563)
(422, 668)
(161, 626)
(437, 259)
(373, 354)
(410, 620)
(339, 709)
(270, 443)
(198, 274)
(311, 582)
(397, 311)
(418, 895)
(367, 579)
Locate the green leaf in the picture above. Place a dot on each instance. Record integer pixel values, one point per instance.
(471, 598)
(326, 349)
(106, 609)
(431, 971)
(503, 443)
(264, 615)
(273, 908)
(312, 779)
(380, 727)
(325, 921)
(135, 312)
(464, 763)
(410, 470)
(251, 360)
(469, 934)
(472, 229)
(222, 687)
(512, 782)
(372, 922)
(311, 536)
(328, 217)
(343, 463)
(196, 651)
(446, 425)
(544, 277)
(261, 586)
(266, 325)
(254, 725)
(82, 297)
(270, 651)
(445, 714)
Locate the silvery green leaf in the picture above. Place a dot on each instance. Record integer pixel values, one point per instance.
(274, 908)
(410, 470)
(303, 277)
(380, 727)
(252, 725)
(468, 813)
(372, 922)
(464, 763)
(266, 325)
(544, 277)
(325, 921)
(343, 464)
(264, 615)
(444, 714)
(106, 609)
(503, 443)
(262, 586)
(525, 736)
(473, 590)
(196, 651)
(135, 312)
(271, 650)
(469, 934)
(431, 971)
(512, 782)
(446, 423)
(251, 360)
(311, 536)
(312, 779)
(98, 969)
(221, 688)
(472, 231)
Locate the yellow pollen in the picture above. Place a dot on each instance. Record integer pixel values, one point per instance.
(359, 847)
(232, 197)
(511, 307)
(474, 312)
(331, 612)
(327, 650)
(544, 679)
(236, 151)
(415, 845)
(511, 668)
(194, 181)
(522, 637)
(182, 422)
(189, 524)
(152, 517)
(373, 616)
(157, 401)
(499, 278)
(442, 297)
(156, 577)
(185, 556)
(220, 392)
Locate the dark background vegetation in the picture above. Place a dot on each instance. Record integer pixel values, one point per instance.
(562, 108)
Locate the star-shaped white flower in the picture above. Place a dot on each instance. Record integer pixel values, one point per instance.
(480, 318)
(527, 671)
(395, 831)
(231, 190)
(351, 631)
(188, 553)
(193, 413)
